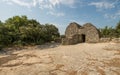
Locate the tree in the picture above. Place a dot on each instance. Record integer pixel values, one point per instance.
(17, 21)
(33, 23)
(19, 30)
(5, 38)
(1, 23)
(52, 31)
(108, 32)
(118, 25)
(111, 32)
(118, 29)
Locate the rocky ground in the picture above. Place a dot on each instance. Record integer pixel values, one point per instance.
(80, 59)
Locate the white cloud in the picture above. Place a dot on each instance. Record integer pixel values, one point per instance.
(103, 5)
(118, 13)
(109, 16)
(53, 3)
(56, 14)
(25, 3)
(42, 3)
(70, 2)
(113, 16)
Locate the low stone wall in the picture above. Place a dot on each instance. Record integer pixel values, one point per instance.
(68, 41)
(74, 40)
(115, 40)
(105, 39)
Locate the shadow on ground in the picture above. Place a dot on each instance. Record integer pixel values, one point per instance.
(9, 51)
(48, 45)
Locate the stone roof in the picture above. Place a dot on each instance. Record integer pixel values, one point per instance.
(87, 32)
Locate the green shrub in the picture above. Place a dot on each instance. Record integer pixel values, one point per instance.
(19, 30)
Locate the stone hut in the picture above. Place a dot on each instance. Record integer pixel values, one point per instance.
(76, 33)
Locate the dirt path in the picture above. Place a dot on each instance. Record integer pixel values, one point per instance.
(80, 59)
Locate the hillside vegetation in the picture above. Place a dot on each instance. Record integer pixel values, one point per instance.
(19, 30)
(110, 32)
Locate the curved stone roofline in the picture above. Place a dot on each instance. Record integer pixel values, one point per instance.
(89, 24)
(82, 26)
(78, 25)
(76, 33)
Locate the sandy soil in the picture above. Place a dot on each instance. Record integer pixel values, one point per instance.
(80, 59)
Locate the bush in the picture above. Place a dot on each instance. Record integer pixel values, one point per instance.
(110, 32)
(1, 47)
(19, 30)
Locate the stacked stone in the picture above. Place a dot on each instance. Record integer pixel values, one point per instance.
(76, 33)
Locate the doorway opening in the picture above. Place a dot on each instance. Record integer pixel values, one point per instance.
(83, 38)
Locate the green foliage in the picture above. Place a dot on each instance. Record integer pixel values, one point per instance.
(62, 36)
(118, 25)
(118, 29)
(110, 32)
(52, 32)
(23, 31)
(1, 23)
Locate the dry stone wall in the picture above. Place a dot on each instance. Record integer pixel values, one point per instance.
(91, 32)
(114, 40)
(76, 33)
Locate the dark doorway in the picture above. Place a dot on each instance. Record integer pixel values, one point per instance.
(83, 38)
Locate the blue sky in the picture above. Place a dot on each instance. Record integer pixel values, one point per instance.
(61, 12)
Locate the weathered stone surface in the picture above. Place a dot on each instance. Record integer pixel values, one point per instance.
(116, 40)
(76, 33)
(105, 39)
(72, 29)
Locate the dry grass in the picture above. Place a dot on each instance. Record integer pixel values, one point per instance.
(110, 49)
(81, 59)
(118, 52)
(58, 66)
(101, 71)
(84, 73)
(7, 59)
(72, 72)
(115, 62)
(117, 72)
